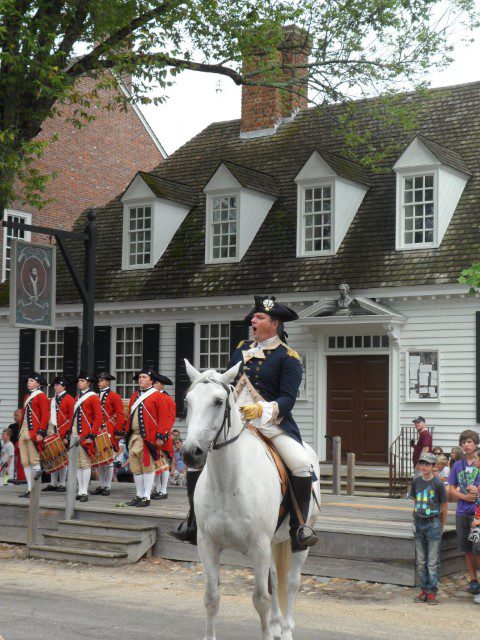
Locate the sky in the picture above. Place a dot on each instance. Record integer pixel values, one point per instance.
(198, 99)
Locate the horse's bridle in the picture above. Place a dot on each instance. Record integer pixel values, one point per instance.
(226, 423)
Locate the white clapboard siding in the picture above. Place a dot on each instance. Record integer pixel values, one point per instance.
(449, 326)
(9, 345)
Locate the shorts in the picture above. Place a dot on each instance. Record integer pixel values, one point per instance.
(463, 526)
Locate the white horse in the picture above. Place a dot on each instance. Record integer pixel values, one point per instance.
(237, 500)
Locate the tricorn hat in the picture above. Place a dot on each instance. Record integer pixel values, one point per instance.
(104, 375)
(163, 379)
(268, 304)
(149, 372)
(86, 376)
(34, 375)
(61, 380)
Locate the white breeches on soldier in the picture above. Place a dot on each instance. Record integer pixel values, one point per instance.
(28, 454)
(105, 475)
(58, 477)
(83, 479)
(292, 452)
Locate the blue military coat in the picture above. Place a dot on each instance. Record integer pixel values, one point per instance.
(276, 377)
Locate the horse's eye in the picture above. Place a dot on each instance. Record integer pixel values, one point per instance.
(218, 402)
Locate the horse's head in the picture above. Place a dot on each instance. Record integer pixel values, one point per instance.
(205, 402)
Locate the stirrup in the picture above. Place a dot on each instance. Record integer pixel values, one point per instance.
(307, 541)
(189, 534)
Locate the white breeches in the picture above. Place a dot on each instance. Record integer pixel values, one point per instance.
(291, 451)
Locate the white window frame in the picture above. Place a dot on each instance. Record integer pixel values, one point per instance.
(227, 193)
(28, 235)
(407, 375)
(402, 175)
(128, 384)
(301, 188)
(135, 204)
(48, 372)
(198, 338)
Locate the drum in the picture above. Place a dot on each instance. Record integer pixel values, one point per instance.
(161, 464)
(54, 456)
(104, 453)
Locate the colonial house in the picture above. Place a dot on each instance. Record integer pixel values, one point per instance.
(272, 204)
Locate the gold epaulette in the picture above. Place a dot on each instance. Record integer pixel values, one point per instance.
(292, 353)
(241, 343)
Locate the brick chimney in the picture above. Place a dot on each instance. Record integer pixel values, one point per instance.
(265, 108)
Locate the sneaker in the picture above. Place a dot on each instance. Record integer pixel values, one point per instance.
(477, 599)
(421, 597)
(432, 598)
(474, 587)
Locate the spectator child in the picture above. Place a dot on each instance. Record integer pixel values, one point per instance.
(175, 434)
(456, 454)
(437, 451)
(429, 518)
(442, 470)
(7, 456)
(179, 468)
(462, 484)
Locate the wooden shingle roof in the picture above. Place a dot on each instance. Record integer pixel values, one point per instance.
(448, 118)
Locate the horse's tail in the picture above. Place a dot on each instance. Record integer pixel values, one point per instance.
(282, 554)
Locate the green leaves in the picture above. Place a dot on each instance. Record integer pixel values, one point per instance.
(471, 276)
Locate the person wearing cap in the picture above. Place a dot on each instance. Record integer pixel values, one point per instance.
(147, 431)
(269, 377)
(61, 414)
(86, 422)
(160, 491)
(34, 421)
(423, 443)
(113, 423)
(429, 519)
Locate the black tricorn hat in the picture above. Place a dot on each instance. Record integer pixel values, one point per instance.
(268, 304)
(163, 379)
(104, 375)
(149, 372)
(86, 376)
(34, 375)
(61, 380)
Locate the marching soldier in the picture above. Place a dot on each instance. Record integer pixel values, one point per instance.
(113, 421)
(61, 414)
(160, 491)
(269, 378)
(34, 421)
(86, 422)
(147, 432)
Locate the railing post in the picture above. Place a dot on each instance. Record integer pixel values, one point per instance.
(350, 474)
(72, 477)
(34, 510)
(337, 465)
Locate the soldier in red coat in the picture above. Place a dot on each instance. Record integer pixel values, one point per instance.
(86, 423)
(162, 474)
(61, 414)
(147, 431)
(34, 426)
(113, 423)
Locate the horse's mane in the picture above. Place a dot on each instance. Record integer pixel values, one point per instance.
(210, 375)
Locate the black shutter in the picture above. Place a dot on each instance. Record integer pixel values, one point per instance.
(477, 351)
(26, 360)
(185, 338)
(151, 346)
(101, 349)
(70, 355)
(238, 332)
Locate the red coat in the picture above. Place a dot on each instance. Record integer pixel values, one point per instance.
(153, 420)
(90, 412)
(113, 417)
(38, 414)
(172, 414)
(64, 415)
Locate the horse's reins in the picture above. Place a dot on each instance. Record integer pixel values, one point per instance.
(226, 424)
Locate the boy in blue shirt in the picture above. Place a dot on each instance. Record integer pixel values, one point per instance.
(429, 519)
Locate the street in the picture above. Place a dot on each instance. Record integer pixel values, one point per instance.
(158, 599)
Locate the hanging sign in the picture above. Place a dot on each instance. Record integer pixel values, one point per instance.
(32, 284)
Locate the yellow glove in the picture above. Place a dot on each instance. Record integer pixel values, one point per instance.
(252, 411)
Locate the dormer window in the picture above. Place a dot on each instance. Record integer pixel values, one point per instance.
(418, 209)
(140, 236)
(224, 217)
(237, 201)
(317, 219)
(430, 182)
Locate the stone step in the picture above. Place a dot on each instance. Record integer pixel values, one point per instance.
(98, 543)
(101, 528)
(73, 554)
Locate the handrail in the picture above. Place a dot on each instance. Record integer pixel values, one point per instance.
(400, 461)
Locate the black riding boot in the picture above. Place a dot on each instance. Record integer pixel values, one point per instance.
(301, 537)
(189, 534)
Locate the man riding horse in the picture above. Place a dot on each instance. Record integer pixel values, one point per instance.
(267, 386)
